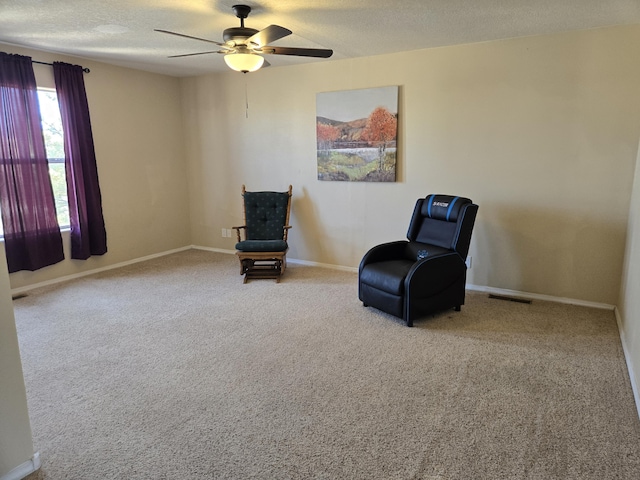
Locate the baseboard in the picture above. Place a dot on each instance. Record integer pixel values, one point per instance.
(24, 469)
(477, 288)
(212, 249)
(289, 260)
(627, 357)
(471, 287)
(342, 268)
(65, 278)
(537, 296)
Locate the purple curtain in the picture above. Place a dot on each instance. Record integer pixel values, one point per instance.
(88, 235)
(31, 232)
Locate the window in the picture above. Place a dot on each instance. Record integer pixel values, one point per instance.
(54, 143)
(53, 140)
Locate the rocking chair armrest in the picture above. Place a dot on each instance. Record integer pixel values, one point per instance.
(286, 231)
(237, 229)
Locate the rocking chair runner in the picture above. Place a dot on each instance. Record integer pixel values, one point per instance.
(262, 253)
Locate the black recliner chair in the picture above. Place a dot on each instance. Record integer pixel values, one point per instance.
(426, 273)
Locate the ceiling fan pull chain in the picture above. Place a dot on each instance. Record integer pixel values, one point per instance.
(246, 97)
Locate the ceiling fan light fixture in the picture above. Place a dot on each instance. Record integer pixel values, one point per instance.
(244, 62)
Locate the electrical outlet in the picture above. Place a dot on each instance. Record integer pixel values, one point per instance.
(229, 233)
(468, 261)
(224, 232)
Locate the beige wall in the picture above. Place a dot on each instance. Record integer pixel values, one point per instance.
(16, 446)
(541, 132)
(629, 303)
(137, 129)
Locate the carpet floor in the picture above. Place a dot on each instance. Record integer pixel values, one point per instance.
(173, 369)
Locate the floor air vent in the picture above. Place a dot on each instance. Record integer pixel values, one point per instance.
(509, 299)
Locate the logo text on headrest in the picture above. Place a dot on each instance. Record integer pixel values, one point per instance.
(440, 204)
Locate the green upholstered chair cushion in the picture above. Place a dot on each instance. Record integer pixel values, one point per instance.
(262, 246)
(265, 215)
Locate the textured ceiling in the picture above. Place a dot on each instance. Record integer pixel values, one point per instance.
(121, 31)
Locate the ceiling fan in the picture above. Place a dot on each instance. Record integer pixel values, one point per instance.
(243, 46)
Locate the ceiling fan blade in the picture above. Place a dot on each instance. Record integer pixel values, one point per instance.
(301, 52)
(268, 35)
(189, 36)
(199, 53)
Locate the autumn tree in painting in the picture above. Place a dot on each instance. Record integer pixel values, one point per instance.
(380, 131)
(326, 135)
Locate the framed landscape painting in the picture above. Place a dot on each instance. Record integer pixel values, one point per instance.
(356, 135)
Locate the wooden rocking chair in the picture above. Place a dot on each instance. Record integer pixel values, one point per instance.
(263, 251)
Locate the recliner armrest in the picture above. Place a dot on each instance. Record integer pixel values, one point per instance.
(383, 252)
(434, 273)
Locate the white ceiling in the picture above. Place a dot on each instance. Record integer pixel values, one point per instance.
(121, 31)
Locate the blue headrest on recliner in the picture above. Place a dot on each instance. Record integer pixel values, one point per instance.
(443, 207)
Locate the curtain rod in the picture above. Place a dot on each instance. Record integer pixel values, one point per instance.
(84, 69)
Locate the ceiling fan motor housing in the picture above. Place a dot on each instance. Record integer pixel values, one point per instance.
(238, 33)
